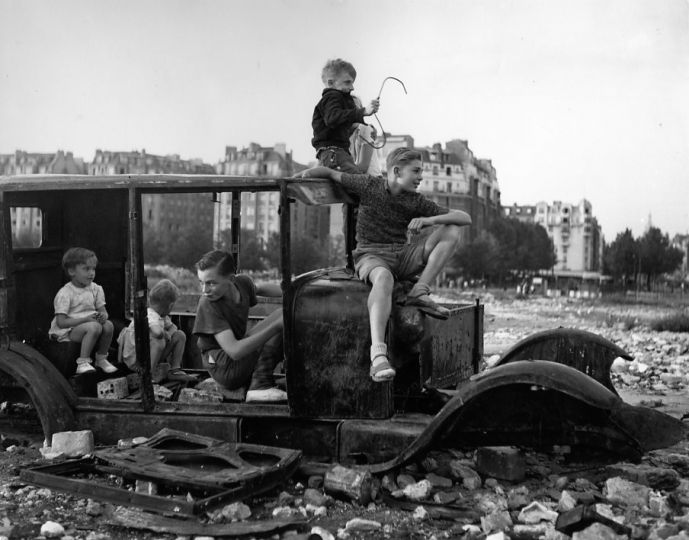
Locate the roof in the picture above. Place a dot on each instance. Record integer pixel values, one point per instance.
(308, 190)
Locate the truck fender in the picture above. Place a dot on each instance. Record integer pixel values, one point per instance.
(52, 397)
(588, 352)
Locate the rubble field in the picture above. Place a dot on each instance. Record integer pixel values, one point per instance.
(493, 493)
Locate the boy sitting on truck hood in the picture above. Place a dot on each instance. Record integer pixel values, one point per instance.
(389, 246)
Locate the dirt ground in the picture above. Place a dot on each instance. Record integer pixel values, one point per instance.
(24, 508)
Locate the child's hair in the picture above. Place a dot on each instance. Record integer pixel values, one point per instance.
(400, 157)
(334, 67)
(77, 255)
(223, 260)
(163, 292)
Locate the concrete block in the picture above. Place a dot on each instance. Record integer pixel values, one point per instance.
(73, 443)
(503, 462)
(113, 388)
(133, 382)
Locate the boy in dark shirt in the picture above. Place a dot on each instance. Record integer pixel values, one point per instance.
(391, 214)
(335, 115)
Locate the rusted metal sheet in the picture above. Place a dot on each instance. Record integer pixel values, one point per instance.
(316, 438)
(318, 191)
(540, 404)
(52, 397)
(328, 365)
(373, 441)
(191, 473)
(589, 353)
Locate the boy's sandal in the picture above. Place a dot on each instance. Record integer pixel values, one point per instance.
(426, 305)
(381, 370)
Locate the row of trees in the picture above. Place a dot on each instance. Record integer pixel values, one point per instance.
(508, 249)
(633, 260)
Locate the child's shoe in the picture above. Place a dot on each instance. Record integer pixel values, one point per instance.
(102, 363)
(84, 366)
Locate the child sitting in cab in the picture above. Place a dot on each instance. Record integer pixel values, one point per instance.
(166, 341)
(80, 314)
(389, 246)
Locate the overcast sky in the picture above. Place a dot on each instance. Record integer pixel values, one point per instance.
(570, 99)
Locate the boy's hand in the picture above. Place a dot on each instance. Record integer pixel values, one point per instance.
(372, 107)
(100, 317)
(416, 224)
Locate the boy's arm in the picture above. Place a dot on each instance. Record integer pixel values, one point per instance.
(320, 172)
(453, 217)
(335, 114)
(239, 348)
(64, 321)
(272, 290)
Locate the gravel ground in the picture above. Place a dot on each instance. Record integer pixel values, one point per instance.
(657, 377)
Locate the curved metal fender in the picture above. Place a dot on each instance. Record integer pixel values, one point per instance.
(588, 352)
(617, 422)
(50, 393)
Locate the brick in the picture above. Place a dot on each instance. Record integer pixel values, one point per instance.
(113, 388)
(73, 443)
(503, 462)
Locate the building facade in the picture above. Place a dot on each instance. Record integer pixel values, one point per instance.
(575, 232)
(162, 213)
(260, 209)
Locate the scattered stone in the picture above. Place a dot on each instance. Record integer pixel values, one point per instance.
(315, 497)
(536, 512)
(73, 443)
(498, 536)
(620, 491)
(282, 512)
(502, 462)
(499, 520)
(648, 475)
(438, 481)
(470, 478)
(518, 498)
(358, 524)
(490, 502)
(52, 529)
(596, 531)
(566, 502)
(236, 511)
(429, 464)
(420, 513)
(94, 508)
(419, 491)
(285, 499)
(445, 497)
(404, 480)
(388, 483)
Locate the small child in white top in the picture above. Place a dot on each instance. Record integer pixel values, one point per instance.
(166, 340)
(80, 314)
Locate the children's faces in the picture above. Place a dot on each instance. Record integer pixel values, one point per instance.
(83, 274)
(343, 82)
(213, 284)
(409, 176)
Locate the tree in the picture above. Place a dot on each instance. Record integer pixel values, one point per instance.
(656, 255)
(478, 258)
(621, 257)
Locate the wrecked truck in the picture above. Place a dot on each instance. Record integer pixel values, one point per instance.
(551, 389)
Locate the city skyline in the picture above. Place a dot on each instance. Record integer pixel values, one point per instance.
(570, 100)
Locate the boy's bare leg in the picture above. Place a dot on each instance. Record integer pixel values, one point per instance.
(438, 249)
(87, 334)
(379, 307)
(270, 319)
(175, 349)
(105, 338)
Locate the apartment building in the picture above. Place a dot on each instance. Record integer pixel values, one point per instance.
(575, 232)
(27, 222)
(260, 210)
(162, 213)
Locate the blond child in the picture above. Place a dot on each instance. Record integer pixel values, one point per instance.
(166, 341)
(80, 314)
(335, 116)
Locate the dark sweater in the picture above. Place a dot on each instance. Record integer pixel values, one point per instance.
(333, 118)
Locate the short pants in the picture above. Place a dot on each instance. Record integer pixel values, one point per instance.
(404, 260)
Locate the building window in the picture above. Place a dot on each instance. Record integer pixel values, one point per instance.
(448, 171)
(435, 170)
(449, 187)
(27, 230)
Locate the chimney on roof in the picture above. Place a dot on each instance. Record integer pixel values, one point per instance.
(281, 148)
